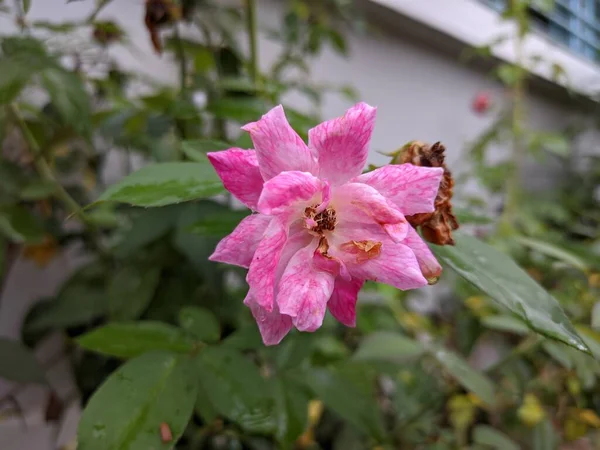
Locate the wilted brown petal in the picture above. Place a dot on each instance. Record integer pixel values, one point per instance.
(437, 226)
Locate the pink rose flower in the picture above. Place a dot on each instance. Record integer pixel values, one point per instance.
(321, 228)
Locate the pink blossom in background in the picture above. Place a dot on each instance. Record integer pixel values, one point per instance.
(482, 102)
(320, 227)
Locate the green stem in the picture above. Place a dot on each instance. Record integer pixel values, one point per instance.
(92, 17)
(180, 124)
(513, 185)
(252, 37)
(47, 174)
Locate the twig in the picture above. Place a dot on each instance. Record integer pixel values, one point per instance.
(92, 17)
(46, 173)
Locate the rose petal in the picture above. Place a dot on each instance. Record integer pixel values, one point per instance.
(357, 202)
(262, 272)
(273, 325)
(238, 248)
(412, 189)
(342, 304)
(342, 144)
(286, 189)
(304, 291)
(278, 146)
(238, 169)
(393, 263)
(427, 262)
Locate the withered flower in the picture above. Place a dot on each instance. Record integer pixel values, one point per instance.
(158, 14)
(437, 226)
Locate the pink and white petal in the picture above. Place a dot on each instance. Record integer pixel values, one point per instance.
(278, 147)
(412, 189)
(427, 262)
(342, 144)
(239, 247)
(326, 263)
(262, 272)
(342, 304)
(358, 202)
(304, 291)
(273, 325)
(396, 265)
(287, 189)
(238, 169)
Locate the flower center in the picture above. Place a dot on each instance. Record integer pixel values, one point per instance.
(318, 222)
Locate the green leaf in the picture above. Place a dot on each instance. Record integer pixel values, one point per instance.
(559, 352)
(18, 363)
(505, 323)
(63, 27)
(246, 338)
(508, 74)
(293, 351)
(204, 408)
(78, 303)
(235, 388)
(337, 41)
(69, 98)
(468, 377)
(130, 291)
(544, 436)
(486, 435)
(165, 183)
(37, 190)
(347, 400)
(218, 223)
(127, 411)
(26, 6)
(128, 340)
(19, 225)
(498, 276)
(200, 323)
(197, 149)
(551, 142)
(147, 226)
(553, 251)
(240, 109)
(291, 411)
(22, 58)
(388, 346)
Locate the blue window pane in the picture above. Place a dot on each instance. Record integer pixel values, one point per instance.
(573, 23)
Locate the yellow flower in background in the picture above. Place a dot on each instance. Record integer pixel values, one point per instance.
(594, 280)
(315, 410)
(531, 411)
(42, 254)
(590, 417)
(578, 422)
(478, 306)
(462, 411)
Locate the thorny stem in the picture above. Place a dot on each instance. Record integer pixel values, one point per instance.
(47, 174)
(252, 38)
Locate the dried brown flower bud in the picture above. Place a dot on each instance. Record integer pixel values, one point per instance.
(437, 226)
(158, 14)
